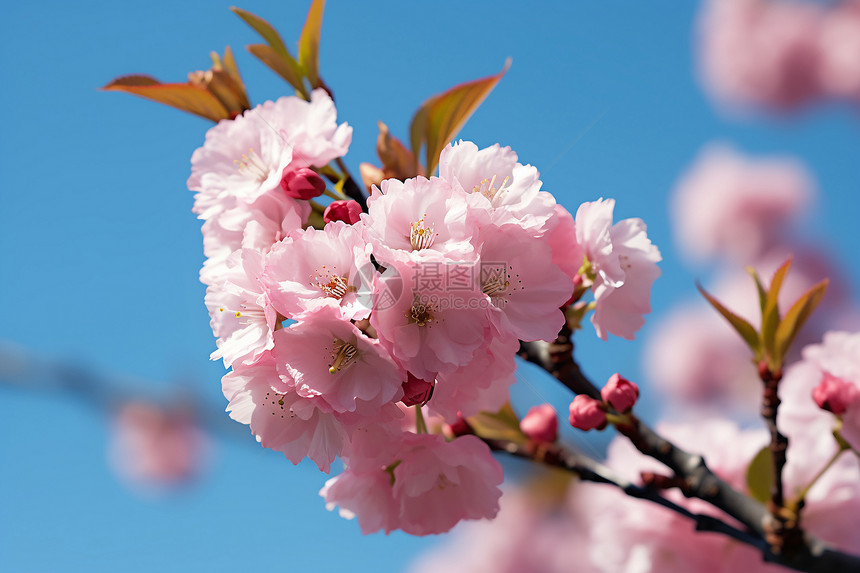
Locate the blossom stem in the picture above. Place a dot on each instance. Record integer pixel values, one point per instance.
(350, 187)
(801, 496)
(420, 424)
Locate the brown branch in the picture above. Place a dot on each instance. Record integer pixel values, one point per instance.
(810, 554)
(588, 469)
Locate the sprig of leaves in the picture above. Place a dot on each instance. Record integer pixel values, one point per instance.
(773, 340)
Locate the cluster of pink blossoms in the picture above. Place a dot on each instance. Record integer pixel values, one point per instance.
(780, 54)
(333, 332)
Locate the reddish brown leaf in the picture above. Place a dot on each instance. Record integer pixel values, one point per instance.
(186, 97)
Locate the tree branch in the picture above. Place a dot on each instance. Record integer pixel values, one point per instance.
(810, 555)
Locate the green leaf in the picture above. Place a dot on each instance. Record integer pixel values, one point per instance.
(796, 317)
(309, 42)
(744, 328)
(770, 315)
(762, 294)
(277, 57)
(271, 58)
(186, 97)
(441, 117)
(760, 475)
(501, 425)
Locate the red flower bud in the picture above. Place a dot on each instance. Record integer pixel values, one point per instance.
(346, 211)
(417, 391)
(620, 393)
(587, 413)
(302, 183)
(835, 394)
(540, 424)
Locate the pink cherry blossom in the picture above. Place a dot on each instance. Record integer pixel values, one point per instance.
(567, 253)
(524, 286)
(620, 393)
(760, 52)
(153, 445)
(540, 423)
(281, 419)
(695, 357)
(419, 219)
(507, 190)
(624, 264)
(839, 42)
(246, 157)
(526, 536)
(586, 413)
(257, 226)
(327, 356)
(732, 206)
(241, 317)
(347, 211)
(430, 328)
(312, 268)
(482, 385)
(419, 483)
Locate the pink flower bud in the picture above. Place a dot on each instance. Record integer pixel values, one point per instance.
(346, 211)
(302, 183)
(620, 393)
(461, 427)
(834, 394)
(417, 391)
(541, 424)
(587, 413)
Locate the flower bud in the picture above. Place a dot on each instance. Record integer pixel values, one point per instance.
(346, 211)
(587, 413)
(620, 393)
(540, 424)
(460, 428)
(834, 394)
(417, 391)
(302, 183)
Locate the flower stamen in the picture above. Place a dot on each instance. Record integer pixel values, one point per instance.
(421, 235)
(344, 354)
(252, 164)
(488, 189)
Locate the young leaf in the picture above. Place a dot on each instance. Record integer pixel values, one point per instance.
(279, 65)
(501, 425)
(796, 317)
(397, 161)
(770, 314)
(760, 475)
(309, 42)
(275, 55)
(186, 97)
(762, 294)
(442, 116)
(744, 328)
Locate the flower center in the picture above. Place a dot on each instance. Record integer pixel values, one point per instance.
(252, 165)
(487, 188)
(421, 312)
(344, 355)
(333, 285)
(495, 285)
(421, 235)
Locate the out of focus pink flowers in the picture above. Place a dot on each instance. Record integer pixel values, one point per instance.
(778, 54)
(154, 446)
(540, 424)
(730, 206)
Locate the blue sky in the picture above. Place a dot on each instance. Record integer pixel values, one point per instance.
(100, 252)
